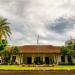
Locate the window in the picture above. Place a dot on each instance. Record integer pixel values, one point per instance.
(0, 61)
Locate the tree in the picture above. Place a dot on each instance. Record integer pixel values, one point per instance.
(4, 28)
(15, 50)
(4, 33)
(3, 51)
(68, 50)
(6, 57)
(64, 51)
(74, 46)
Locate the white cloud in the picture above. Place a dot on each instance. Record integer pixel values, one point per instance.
(30, 18)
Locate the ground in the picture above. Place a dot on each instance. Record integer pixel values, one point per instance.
(21, 67)
(37, 72)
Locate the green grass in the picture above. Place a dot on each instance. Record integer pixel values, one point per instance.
(20, 67)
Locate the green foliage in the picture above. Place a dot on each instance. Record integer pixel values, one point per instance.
(15, 50)
(6, 53)
(74, 47)
(3, 45)
(6, 57)
(70, 43)
(68, 50)
(64, 51)
(4, 32)
(3, 50)
(4, 28)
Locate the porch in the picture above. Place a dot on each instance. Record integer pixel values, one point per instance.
(42, 59)
(36, 59)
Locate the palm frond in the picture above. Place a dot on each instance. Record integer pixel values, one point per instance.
(4, 27)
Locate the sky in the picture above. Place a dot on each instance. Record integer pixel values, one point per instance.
(52, 20)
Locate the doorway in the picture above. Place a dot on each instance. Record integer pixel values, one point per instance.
(14, 59)
(69, 60)
(29, 60)
(47, 60)
(37, 61)
(63, 59)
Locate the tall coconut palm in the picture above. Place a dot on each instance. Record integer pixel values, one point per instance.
(4, 33)
(4, 28)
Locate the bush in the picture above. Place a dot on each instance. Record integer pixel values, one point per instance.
(66, 63)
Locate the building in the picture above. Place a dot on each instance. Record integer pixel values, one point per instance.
(41, 54)
(37, 54)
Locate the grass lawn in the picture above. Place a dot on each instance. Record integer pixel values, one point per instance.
(20, 67)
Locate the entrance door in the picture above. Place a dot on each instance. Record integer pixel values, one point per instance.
(63, 59)
(47, 60)
(69, 60)
(14, 58)
(29, 60)
(37, 60)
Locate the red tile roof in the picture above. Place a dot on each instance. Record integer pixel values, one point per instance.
(39, 49)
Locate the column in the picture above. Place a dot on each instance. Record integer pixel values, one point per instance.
(44, 59)
(72, 59)
(54, 59)
(21, 58)
(32, 59)
(66, 59)
(58, 59)
(11, 59)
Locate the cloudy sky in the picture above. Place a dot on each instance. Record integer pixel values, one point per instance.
(52, 20)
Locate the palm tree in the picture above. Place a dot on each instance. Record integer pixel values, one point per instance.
(4, 33)
(3, 50)
(4, 28)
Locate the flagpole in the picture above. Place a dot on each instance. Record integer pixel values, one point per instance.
(38, 48)
(37, 39)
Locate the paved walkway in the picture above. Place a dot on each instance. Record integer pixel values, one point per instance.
(37, 72)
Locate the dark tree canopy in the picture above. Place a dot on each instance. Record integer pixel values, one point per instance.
(15, 50)
(68, 49)
(3, 45)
